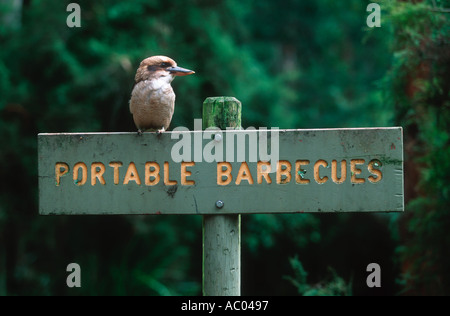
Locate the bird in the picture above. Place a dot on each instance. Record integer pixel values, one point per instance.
(152, 102)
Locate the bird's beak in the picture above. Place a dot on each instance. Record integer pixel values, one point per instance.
(178, 71)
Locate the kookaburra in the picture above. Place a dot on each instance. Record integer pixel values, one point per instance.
(152, 100)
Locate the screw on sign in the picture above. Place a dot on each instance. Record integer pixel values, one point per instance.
(219, 204)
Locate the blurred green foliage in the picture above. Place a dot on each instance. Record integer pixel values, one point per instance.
(418, 87)
(293, 64)
(334, 286)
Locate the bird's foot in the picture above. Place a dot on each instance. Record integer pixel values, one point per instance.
(160, 131)
(139, 132)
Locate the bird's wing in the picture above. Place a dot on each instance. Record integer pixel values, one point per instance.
(139, 96)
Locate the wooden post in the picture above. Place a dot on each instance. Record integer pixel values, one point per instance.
(222, 233)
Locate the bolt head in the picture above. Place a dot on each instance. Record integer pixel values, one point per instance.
(220, 204)
(217, 137)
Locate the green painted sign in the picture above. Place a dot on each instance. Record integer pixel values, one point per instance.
(222, 172)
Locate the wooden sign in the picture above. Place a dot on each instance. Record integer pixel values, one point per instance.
(222, 172)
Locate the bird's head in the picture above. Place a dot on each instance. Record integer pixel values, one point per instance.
(160, 67)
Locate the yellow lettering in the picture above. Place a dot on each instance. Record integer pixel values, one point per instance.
(83, 167)
(262, 171)
(185, 173)
(317, 177)
(376, 174)
(343, 176)
(355, 171)
(300, 173)
(167, 180)
(132, 174)
(61, 168)
(116, 166)
(286, 171)
(244, 174)
(221, 173)
(97, 171)
(149, 173)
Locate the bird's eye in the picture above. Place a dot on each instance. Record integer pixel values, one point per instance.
(165, 65)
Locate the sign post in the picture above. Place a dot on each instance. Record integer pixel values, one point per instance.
(220, 174)
(222, 233)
